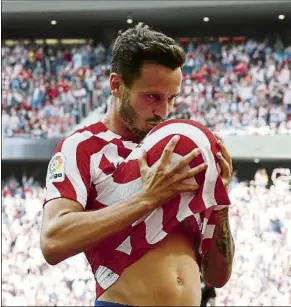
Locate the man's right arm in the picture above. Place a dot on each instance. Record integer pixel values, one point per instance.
(68, 230)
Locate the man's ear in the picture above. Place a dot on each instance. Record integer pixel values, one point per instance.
(116, 84)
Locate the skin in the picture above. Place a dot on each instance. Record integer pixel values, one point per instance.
(175, 278)
(169, 273)
(146, 103)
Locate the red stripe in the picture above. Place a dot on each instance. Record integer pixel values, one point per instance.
(95, 128)
(66, 189)
(106, 166)
(126, 172)
(170, 210)
(220, 193)
(138, 240)
(104, 253)
(59, 146)
(83, 155)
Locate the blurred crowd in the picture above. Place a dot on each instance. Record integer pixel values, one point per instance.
(233, 87)
(260, 222)
(238, 88)
(47, 90)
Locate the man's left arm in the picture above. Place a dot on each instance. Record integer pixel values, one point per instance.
(217, 262)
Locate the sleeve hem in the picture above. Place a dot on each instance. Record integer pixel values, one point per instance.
(66, 197)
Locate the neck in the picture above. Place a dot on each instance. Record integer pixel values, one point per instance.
(114, 123)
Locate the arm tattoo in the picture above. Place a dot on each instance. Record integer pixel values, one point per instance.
(225, 244)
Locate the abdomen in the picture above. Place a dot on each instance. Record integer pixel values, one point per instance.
(167, 275)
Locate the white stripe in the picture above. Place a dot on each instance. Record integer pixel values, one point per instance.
(205, 221)
(209, 231)
(184, 210)
(198, 220)
(111, 154)
(108, 136)
(51, 191)
(105, 277)
(95, 171)
(129, 145)
(69, 149)
(154, 226)
(110, 151)
(202, 141)
(186, 197)
(110, 192)
(125, 246)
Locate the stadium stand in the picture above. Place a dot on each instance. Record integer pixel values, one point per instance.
(234, 87)
(260, 217)
(46, 91)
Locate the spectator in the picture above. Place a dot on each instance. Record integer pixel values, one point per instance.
(235, 88)
(260, 222)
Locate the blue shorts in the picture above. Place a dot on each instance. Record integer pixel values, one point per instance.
(103, 303)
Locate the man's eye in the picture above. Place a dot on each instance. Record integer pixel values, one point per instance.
(152, 96)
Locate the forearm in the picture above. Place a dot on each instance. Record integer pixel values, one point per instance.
(76, 232)
(217, 263)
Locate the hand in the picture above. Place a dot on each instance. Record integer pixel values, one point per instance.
(163, 181)
(225, 161)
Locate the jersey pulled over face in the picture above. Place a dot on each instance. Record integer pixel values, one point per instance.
(98, 168)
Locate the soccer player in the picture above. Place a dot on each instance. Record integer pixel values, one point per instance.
(145, 199)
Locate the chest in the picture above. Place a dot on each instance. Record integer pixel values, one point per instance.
(105, 162)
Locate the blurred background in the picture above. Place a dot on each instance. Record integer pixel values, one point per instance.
(237, 80)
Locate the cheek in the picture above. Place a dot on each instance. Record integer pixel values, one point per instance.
(143, 107)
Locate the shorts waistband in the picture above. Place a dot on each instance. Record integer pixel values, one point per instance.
(104, 303)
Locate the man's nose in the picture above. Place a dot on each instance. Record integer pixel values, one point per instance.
(162, 110)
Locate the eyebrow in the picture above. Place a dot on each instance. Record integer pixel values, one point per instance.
(157, 93)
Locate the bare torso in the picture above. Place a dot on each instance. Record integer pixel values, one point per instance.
(167, 275)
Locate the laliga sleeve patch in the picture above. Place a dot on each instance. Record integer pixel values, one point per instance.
(56, 168)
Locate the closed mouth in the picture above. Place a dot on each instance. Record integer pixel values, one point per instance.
(153, 124)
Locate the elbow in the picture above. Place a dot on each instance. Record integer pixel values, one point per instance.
(50, 251)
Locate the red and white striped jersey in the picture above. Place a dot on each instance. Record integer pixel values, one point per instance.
(98, 168)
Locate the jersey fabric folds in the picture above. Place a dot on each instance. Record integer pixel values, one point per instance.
(98, 168)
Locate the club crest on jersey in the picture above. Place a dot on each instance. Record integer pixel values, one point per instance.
(56, 168)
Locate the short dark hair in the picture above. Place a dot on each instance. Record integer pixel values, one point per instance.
(141, 44)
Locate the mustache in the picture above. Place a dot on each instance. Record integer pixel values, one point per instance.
(155, 120)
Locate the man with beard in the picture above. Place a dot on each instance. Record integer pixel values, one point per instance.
(151, 215)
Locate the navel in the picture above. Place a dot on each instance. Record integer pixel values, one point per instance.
(179, 281)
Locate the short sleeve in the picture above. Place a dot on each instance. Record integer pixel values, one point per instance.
(68, 173)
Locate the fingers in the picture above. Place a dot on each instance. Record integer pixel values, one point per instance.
(186, 188)
(218, 136)
(192, 172)
(225, 153)
(142, 161)
(186, 160)
(168, 151)
(226, 167)
(223, 150)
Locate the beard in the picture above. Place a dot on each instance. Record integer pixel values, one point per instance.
(130, 116)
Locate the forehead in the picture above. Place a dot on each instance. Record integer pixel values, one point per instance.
(158, 78)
